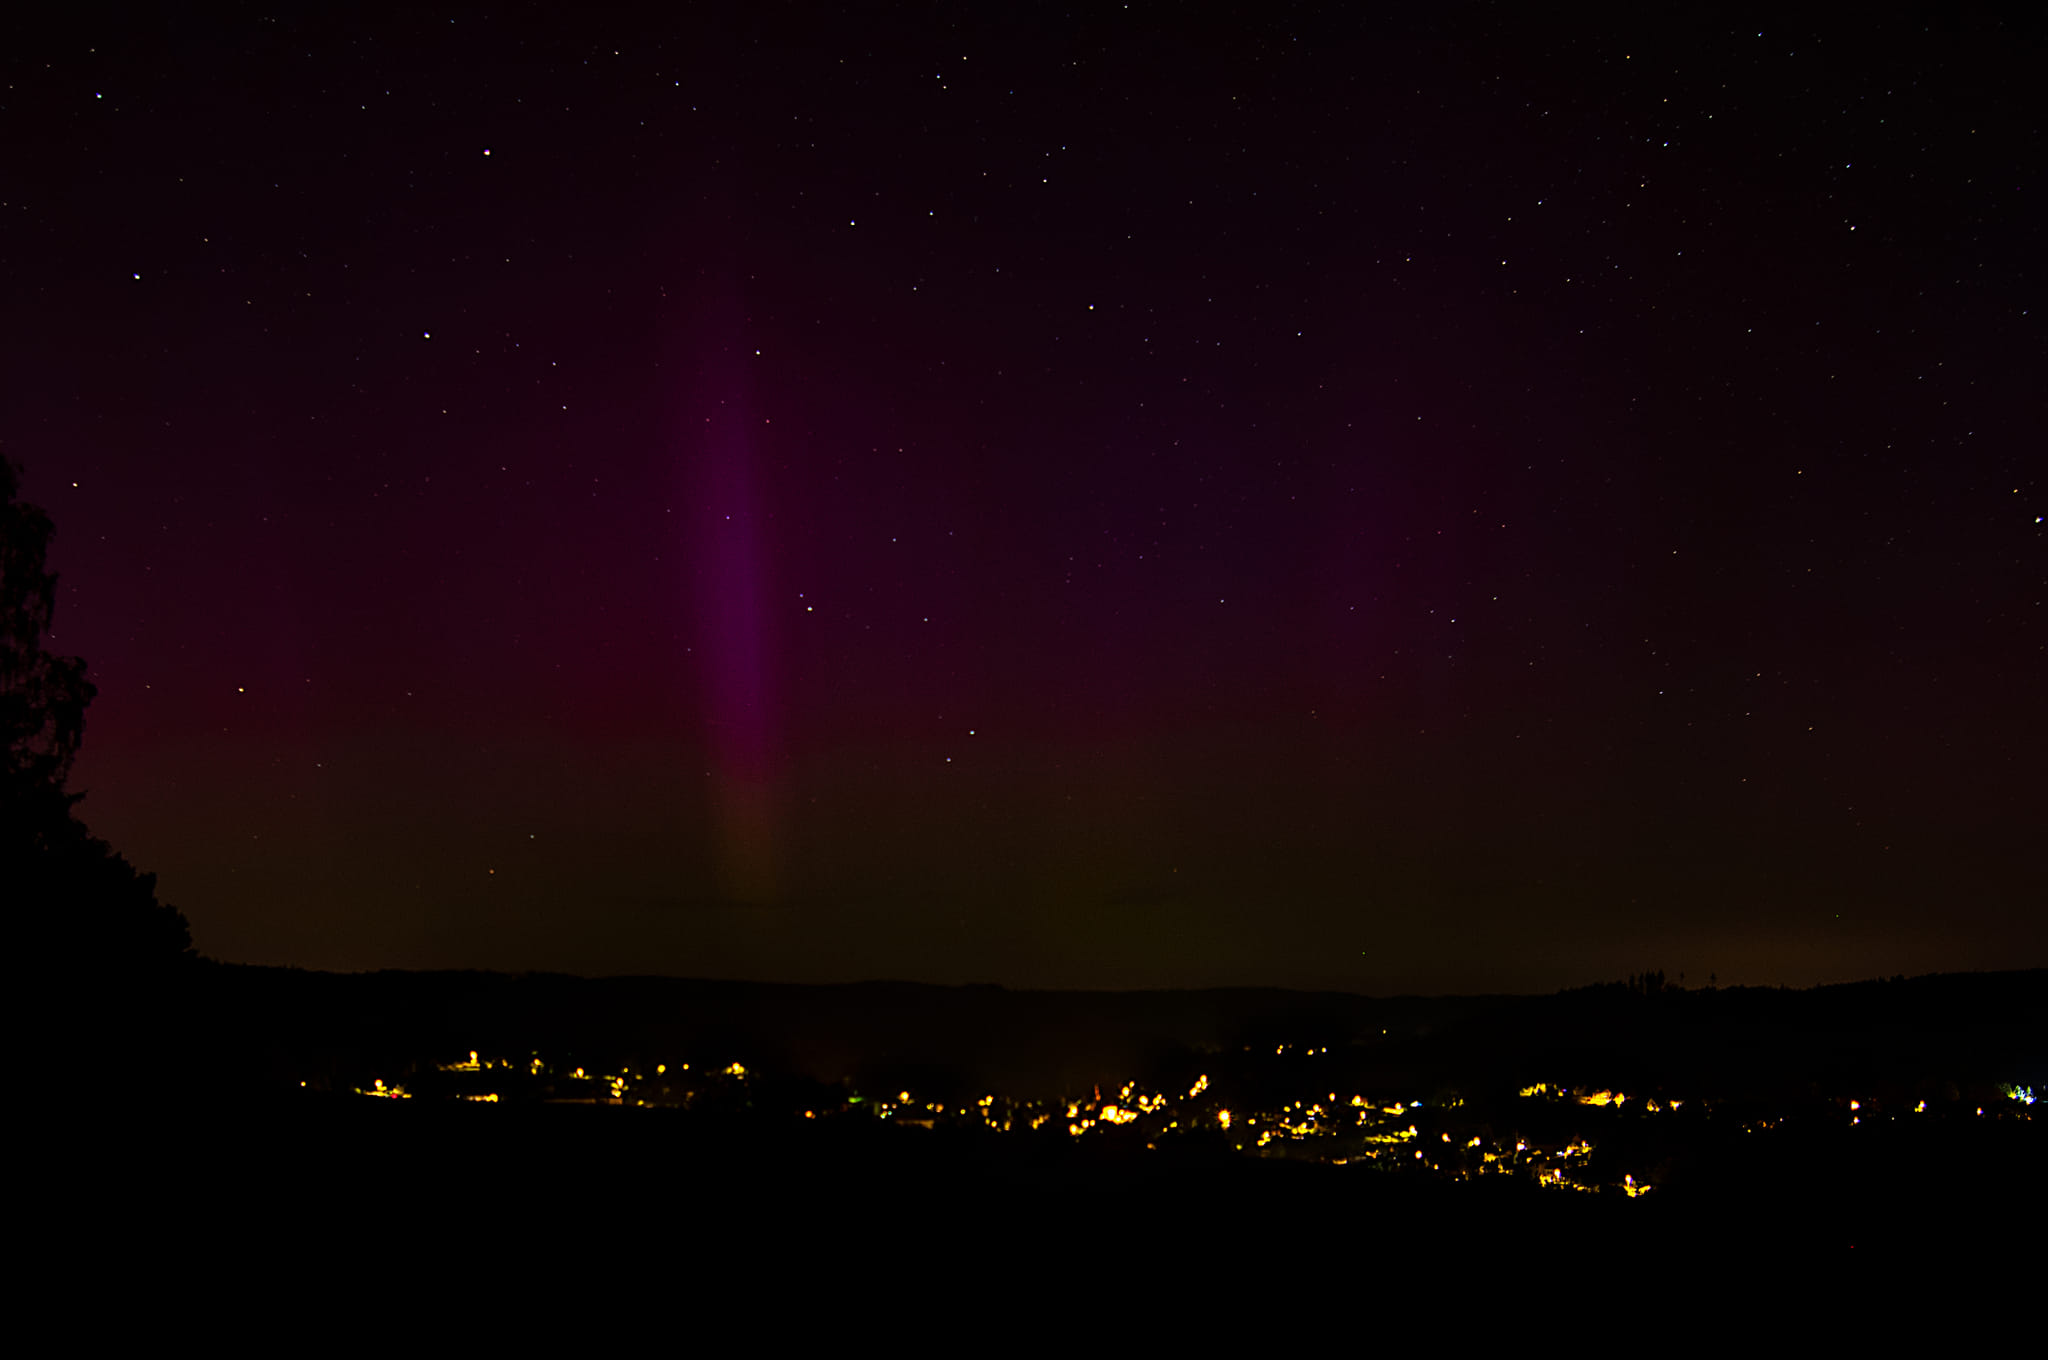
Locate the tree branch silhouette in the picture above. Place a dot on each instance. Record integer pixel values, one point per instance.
(82, 906)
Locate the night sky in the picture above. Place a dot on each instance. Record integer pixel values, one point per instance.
(1093, 498)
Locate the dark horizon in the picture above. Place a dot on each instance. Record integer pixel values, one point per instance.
(1136, 502)
(1666, 981)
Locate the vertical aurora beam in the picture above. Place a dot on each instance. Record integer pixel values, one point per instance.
(736, 645)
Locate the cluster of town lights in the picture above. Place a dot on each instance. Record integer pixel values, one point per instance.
(1333, 1129)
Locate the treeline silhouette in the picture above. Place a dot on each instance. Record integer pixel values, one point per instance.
(105, 954)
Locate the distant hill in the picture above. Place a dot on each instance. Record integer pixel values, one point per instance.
(279, 1025)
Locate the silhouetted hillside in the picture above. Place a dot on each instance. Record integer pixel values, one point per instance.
(279, 1027)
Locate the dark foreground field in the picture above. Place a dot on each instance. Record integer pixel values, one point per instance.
(215, 1182)
(447, 1196)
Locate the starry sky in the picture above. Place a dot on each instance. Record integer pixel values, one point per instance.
(1107, 498)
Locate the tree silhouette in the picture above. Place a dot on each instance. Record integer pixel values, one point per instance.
(42, 697)
(81, 906)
